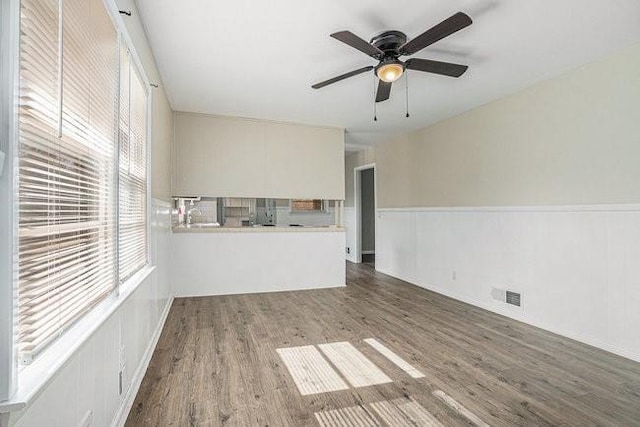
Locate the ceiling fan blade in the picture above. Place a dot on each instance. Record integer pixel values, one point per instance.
(356, 42)
(384, 90)
(436, 67)
(447, 27)
(342, 77)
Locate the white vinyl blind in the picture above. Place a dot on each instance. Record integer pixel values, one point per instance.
(132, 232)
(67, 144)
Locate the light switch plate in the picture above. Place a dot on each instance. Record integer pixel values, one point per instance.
(1, 162)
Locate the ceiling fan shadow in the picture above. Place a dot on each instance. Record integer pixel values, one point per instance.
(456, 51)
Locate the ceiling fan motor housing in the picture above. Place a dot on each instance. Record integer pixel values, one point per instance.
(390, 67)
(389, 42)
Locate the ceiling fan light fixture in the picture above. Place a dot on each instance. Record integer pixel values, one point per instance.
(388, 46)
(390, 72)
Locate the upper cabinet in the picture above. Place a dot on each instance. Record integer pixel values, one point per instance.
(232, 157)
(215, 154)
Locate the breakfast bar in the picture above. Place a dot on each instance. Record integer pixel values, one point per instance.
(237, 260)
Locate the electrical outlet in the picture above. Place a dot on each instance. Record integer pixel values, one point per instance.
(348, 250)
(87, 420)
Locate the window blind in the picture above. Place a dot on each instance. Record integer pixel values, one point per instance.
(132, 232)
(67, 196)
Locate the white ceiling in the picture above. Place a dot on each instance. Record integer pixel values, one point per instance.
(259, 59)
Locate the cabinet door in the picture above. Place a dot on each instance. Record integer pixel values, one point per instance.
(218, 156)
(228, 157)
(304, 162)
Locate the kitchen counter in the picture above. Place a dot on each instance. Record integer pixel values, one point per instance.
(253, 229)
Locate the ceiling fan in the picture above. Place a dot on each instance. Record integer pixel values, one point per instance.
(388, 46)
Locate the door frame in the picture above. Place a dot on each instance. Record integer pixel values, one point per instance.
(357, 180)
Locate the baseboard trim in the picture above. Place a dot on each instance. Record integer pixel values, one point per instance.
(254, 292)
(130, 396)
(604, 207)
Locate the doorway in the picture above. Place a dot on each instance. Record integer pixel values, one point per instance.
(365, 201)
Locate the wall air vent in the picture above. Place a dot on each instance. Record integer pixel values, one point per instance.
(513, 298)
(509, 297)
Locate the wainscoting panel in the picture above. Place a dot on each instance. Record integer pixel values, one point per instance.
(577, 268)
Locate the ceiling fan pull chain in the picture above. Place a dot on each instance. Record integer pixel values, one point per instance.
(375, 111)
(406, 88)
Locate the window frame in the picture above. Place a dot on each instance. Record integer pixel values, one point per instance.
(20, 384)
(125, 42)
(9, 77)
(79, 147)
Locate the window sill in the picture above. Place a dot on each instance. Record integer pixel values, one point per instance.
(34, 378)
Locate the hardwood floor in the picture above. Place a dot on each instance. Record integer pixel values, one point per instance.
(216, 362)
(369, 259)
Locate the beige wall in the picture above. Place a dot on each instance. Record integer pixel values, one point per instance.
(162, 115)
(234, 157)
(352, 161)
(162, 135)
(574, 139)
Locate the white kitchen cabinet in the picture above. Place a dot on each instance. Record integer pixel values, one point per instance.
(218, 157)
(233, 157)
(303, 162)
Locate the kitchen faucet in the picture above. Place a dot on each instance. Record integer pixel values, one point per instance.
(190, 213)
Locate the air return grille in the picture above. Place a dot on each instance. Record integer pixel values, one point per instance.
(509, 297)
(513, 298)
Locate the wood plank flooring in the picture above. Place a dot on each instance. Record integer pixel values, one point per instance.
(216, 363)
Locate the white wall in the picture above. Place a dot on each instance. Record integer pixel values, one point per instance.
(235, 157)
(247, 261)
(89, 380)
(576, 267)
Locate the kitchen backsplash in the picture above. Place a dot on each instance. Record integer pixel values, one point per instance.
(249, 212)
